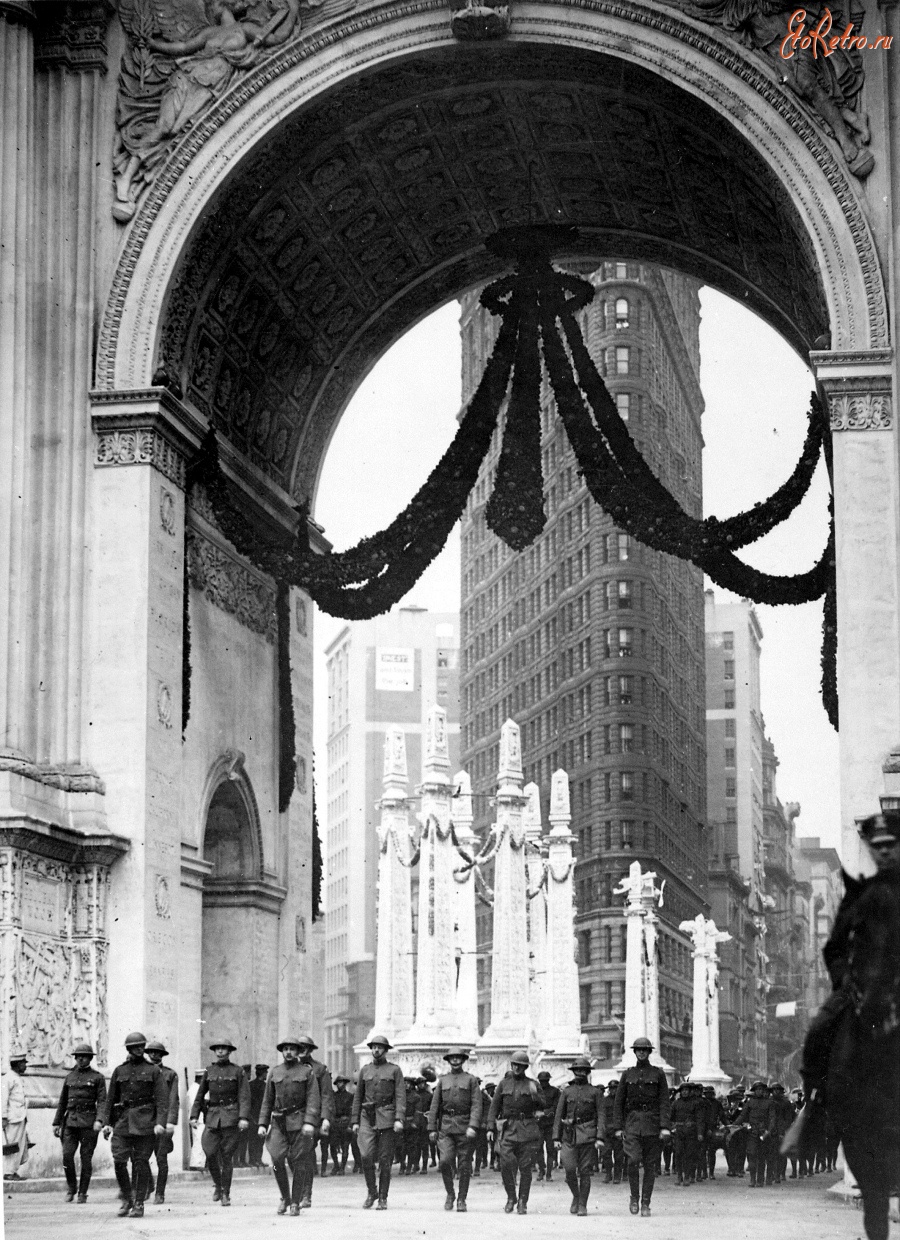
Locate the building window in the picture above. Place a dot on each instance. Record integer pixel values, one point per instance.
(728, 641)
(623, 359)
(626, 690)
(729, 728)
(626, 737)
(621, 271)
(731, 816)
(624, 547)
(623, 404)
(621, 312)
(729, 699)
(584, 994)
(728, 672)
(731, 786)
(729, 756)
(627, 785)
(626, 643)
(624, 594)
(627, 834)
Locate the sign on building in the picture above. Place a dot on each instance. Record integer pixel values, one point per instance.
(395, 668)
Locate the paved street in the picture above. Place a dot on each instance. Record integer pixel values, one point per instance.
(726, 1209)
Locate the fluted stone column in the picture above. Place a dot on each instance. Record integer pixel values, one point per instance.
(436, 1020)
(563, 1031)
(393, 959)
(16, 364)
(641, 964)
(537, 915)
(510, 1019)
(466, 936)
(705, 1065)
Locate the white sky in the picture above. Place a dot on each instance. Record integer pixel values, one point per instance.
(756, 391)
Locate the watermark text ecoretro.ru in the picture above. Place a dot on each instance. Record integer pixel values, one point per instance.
(819, 39)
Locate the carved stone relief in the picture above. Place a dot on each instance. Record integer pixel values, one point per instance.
(231, 586)
(140, 447)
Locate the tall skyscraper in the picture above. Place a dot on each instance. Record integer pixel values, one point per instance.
(382, 673)
(594, 645)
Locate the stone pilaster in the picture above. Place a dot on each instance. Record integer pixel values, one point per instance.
(16, 170)
(393, 959)
(563, 1033)
(461, 816)
(537, 916)
(858, 388)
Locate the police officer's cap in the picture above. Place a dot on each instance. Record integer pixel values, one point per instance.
(880, 828)
(82, 1048)
(380, 1040)
(642, 1044)
(456, 1055)
(156, 1045)
(222, 1042)
(17, 1055)
(135, 1039)
(289, 1041)
(580, 1062)
(520, 1057)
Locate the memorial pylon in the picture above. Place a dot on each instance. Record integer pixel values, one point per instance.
(466, 948)
(705, 1066)
(643, 898)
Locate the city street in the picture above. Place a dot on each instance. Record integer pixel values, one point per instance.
(728, 1209)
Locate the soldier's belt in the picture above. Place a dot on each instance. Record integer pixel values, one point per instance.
(642, 1106)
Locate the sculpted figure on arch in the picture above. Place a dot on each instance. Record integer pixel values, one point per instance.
(182, 55)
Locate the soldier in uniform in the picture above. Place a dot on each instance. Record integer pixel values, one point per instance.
(546, 1160)
(257, 1090)
(291, 1106)
(689, 1127)
(453, 1119)
(339, 1141)
(408, 1146)
(164, 1144)
(326, 1102)
(227, 1113)
(641, 1118)
(776, 1171)
(515, 1117)
(379, 1109)
(735, 1136)
(77, 1119)
(758, 1120)
(578, 1132)
(481, 1144)
(715, 1122)
(426, 1146)
(137, 1106)
(613, 1152)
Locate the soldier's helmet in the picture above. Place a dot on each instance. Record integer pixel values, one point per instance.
(642, 1044)
(222, 1042)
(379, 1040)
(778, 1088)
(428, 1072)
(292, 1040)
(456, 1054)
(758, 1086)
(520, 1057)
(685, 1085)
(82, 1048)
(135, 1039)
(342, 1080)
(582, 1063)
(156, 1045)
(306, 1041)
(710, 1091)
(543, 1076)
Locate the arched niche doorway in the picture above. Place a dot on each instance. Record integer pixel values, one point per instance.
(240, 924)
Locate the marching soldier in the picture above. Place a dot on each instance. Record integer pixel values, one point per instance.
(453, 1119)
(227, 1114)
(164, 1144)
(688, 1116)
(326, 1102)
(641, 1118)
(481, 1144)
(137, 1106)
(547, 1150)
(578, 1133)
(776, 1172)
(77, 1119)
(379, 1109)
(257, 1090)
(410, 1144)
(291, 1106)
(758, 1120)
(715, 1122)
(514, 1116)
(339, 1142)
(613, 1153)
(736, 1136)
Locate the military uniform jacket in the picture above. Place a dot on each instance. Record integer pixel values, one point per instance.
(291, 1097)
(516, 1103)
(608, 1105)
(485, 1108)
(81, 1100)
(326, 1089)
(380, 1095)
(227, 1092)
(784, 1115)
(579, 1115)
(759, 1113)
(715, 1115)
(170, 1076)
(549, 1101)
(137, 1100)
(642, 1101)
(455, 1104)
(688, 1114)
(343, 1106)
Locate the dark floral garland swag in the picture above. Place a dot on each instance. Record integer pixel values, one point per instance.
(537, 307)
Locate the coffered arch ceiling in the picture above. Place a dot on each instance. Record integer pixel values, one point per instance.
(368, 209)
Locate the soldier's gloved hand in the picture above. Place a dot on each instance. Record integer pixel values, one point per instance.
(398, 1126)
(618, 1132)
(243, 1125)
(600, 1145)
(97, 1125)
(57, 1131)
(471, 1133)
(665, 1132)
(354, 1128)
(193, 1122)
(432, 1133)
(557, 1145)
(325, 1127)
(106, 1131)
(308, 1130)
(260, 1132)
(159, 1130)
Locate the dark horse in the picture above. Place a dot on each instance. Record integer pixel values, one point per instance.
(851, 1058)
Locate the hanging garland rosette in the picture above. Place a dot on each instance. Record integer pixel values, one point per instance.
(537, 306)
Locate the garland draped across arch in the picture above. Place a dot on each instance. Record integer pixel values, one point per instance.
(537, 306)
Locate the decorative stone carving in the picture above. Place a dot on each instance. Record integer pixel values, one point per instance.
(563, 1035)
(73, 778)
(140, 447)
(641, 961)
(231, 586)
(866, 411)
(74, 37)
(829, 84)
(162, 899)
(164, 705)
(181, 56)
(167, 511)
(471, 19)
(705, 1049)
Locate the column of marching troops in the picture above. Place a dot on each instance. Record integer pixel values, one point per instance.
(632, 1126)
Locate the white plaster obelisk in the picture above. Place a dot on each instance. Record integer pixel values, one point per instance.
(436, 1020)
(706, 1067)
(393, 958)
(536, 905)
(509, 1029)
(641, 964)
(562, 1034)
(466, 948)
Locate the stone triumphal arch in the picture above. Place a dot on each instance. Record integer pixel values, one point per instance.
(290, 189)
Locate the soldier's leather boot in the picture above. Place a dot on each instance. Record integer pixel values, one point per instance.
(295, 1208)
(282, 1207)
(381, 1204)
(633, 1205)
(461, 1206)
(125, 1208)
(510, 1205)
(679, 1181)
(645, 1209)
(226, 1199)
(450, 1202)
(81, 1199)
(521, 1207)
(582, 1210)
(217, 1194)
(70, 1194)
(369, 1201)
(137, 1210)
(607, 1177)
(159, 1199)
